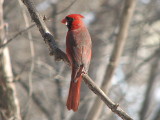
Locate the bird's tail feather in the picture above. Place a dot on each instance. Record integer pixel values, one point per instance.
(74, 94)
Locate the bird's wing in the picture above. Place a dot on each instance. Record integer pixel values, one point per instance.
(79, 47)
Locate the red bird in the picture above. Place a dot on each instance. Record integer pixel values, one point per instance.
(78, 49)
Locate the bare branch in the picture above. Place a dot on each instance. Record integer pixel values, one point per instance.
(157, 115)
(48, 37)
(32, 54)
(147, 60)
(128, 10)
(59, 54)
(114, 107)
(31, 26)
(16, 35)
(36, 101)
(66, 7)
(31, 45)
(148, 93)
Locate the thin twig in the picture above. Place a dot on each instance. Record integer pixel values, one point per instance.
(31, 26)
(147, 60)
(32, 56)
(60, 55)
(64, 10)
(16, 35)
(37, 101)
(31, 46)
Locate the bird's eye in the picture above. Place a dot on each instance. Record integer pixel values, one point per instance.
(69, 19)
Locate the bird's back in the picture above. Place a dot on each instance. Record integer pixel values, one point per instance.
(78, 46)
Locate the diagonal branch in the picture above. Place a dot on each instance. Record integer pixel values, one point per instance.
(59, 54)
(16, 35)
(125, 20)
(31, 26)
(150, 86)
(48, 37)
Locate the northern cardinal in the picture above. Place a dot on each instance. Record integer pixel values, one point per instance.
(78, 49)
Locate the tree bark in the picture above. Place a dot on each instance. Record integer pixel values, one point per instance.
(149, 90)
(9, 105)
(157, 115)
(128, 10)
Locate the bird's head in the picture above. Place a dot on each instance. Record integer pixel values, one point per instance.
(73, 21)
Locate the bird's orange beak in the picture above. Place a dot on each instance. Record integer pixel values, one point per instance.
(64, 21)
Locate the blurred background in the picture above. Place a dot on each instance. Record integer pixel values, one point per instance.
(42, 83)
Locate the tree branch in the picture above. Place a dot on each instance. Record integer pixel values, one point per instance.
(59, 54)
(157, 114)
(31, 26)
(114, 107)
(150, 86)
(145, 61)
(37, 101)
(15, 36)
(128, 10)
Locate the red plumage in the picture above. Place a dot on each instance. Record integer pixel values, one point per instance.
(78, 49)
